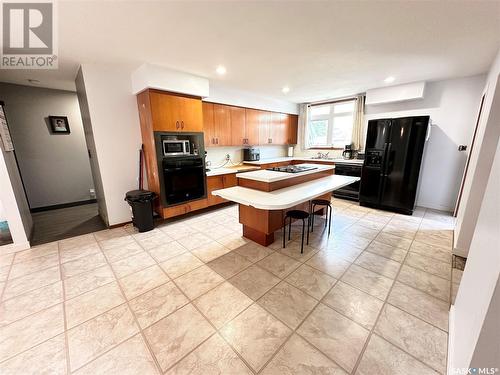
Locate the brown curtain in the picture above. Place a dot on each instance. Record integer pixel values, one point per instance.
(357, 128)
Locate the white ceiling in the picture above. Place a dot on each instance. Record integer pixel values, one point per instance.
(319, 49)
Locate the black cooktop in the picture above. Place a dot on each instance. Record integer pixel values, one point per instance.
(292, 169)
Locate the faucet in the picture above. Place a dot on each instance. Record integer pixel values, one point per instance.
(322, 156)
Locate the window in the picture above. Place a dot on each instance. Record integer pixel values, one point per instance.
(330, 125)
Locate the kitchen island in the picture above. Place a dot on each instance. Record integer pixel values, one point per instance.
(264, 196)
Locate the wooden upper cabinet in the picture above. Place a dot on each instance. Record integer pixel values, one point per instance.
(292, 129)
(238, 126)
(278, 130)
(174, 112)
(252, 126)
(265, 118)
(222, 120)
(208, 124)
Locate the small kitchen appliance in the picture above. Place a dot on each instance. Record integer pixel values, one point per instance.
(251, 154)
(347, 153)
(176, 147)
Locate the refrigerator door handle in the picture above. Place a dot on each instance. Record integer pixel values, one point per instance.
(387, 159)
(429, 127)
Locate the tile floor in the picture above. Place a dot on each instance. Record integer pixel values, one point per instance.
(194, 297)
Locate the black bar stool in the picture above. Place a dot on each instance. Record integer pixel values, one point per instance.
(296, 214)
(328, 206)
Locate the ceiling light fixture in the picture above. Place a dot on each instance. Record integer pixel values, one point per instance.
(285, 90)
(389, 79)
(221, 70)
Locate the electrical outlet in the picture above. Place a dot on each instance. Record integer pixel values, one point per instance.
(92, 193)
(228, 157)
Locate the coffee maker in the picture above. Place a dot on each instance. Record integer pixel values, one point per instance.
(347, 153)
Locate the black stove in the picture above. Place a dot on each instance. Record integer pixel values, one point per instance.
(292, 169)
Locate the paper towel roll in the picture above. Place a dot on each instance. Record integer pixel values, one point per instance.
(290, 151)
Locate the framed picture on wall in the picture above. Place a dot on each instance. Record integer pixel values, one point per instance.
(59, 124)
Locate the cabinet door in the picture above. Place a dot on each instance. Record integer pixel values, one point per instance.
(278, 129)
(214, 183)
(264, 127)
(229, 180)
(222, 120)
(252, 124)
(238, 133)
(292, 129)
(172, 112)
(208, 124)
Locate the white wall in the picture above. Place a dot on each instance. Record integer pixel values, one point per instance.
(112, 110)
(453, 106)
(55, 167)
(480, 162)
(477, 287)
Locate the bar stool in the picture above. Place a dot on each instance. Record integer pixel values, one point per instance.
(328, 206)
(296, 214)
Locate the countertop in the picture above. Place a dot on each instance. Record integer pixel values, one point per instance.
(229, 170)
(304, 158)
(264, 175)
(287, 197)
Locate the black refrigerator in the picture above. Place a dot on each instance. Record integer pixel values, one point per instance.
(393, 155)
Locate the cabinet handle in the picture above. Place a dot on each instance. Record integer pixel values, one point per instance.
(217, 140)
(177, 124)
(182, 124)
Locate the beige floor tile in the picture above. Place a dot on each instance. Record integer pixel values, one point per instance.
(81, 265)
(157, 303)
(214, 356)
(130, 357)
(142, 281)
(114, 254)
(79, 252)
(48, 358)
(254, 281)
(437, 252)
(218, 232)
(400, 231)
(210, 251)
(353, 303)
(443, 238)
(76, 241)
(88, 281)
(351, 239)
(256, 335)
(4, 272)
(381, 357)
(112, 243)
(167, 251)
(396, 241)
(288, 304)
(90, 304)
(178, 230)
(311, 281)
(279, 265)
(222, 304)
(454, 291)
(292, 249)
(391, 252)
(132, 264)
(233, 241)
(157, 233)
(180, 265)
(198, 281)
(379, 264)
(29, 303)
(368, 281)
(33, 265)
(336, 336)
(229, 264)
(362, 231)
(429, 265)
(6, 260)
(153, 241)
(30, 331)
(194, 240)
(456, 275)
(176, 335)
(36, 251)
(96, 336)
(420, 304)
(329, 263)
(110, 233)
(254, 252)
(344, 251)
(431, 284)
(298, 357)
(420, 339)
(31, 282)
(371, 224)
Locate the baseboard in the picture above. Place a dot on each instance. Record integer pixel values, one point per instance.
(62, 205)
(451, 339)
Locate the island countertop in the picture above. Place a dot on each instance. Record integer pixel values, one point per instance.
(287, 197)
(264, 175)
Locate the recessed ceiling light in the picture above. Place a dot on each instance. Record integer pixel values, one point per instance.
(221, 70)
(34, 81)
(285, 90)
(389, 79)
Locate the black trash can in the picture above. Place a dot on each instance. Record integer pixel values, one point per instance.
(141, 202)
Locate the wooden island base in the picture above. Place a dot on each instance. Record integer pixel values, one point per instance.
(260, 225)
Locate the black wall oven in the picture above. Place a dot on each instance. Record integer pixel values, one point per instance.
(350, 191)
(183, 179)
